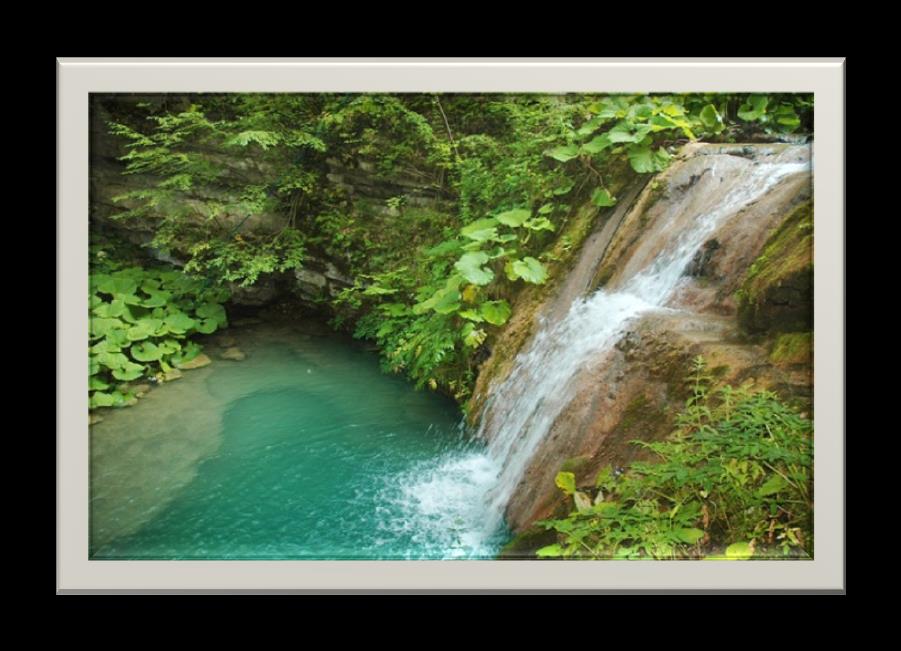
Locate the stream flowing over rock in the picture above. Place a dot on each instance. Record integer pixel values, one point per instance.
(663, 278)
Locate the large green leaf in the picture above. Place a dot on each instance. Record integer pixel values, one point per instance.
(179, 322)
(772, 485)
(114, 309)
(565, 188)
(470, 265)
(117, 338)
(740, 551)
(645, 161)
(496, 312)
(141, 330)
(150, 285)
(539, 224)
(642, 111)
(663, 122)
(628, 132)
(169, 346)
(471, 315)
(550, 551)
(217, 312)
(132, 314)
(146, 352)
(448, 301)
(602, 199)
(597, 144)
(480, 230)
(101, 399)
(514, 218)
(529, 269)
(131, 299)
(443, 301)
(157, 299)
(473, 336)
(690, 536)
(117, 286)
(787, 118)
(128, 372)
(105, 346)
(480, 236)
(187, 353)
(711, 119)
(112, 361)
(96, 384)
(564, 153)
(754, 108)
(591, 126)
(566, 481)
(207, 326)
(499, 252)
(100, 327)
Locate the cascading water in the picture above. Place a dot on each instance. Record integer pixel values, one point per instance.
(458, 503)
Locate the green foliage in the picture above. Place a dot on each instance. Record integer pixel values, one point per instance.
(774, 114)
(602, 199)
(732, 482)
(426, 326)
(239, 186)
(529, 269)
(139, 323)
(215, 164)
(641, 127)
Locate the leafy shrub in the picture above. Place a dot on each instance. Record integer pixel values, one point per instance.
(733, 481)
(140, 321)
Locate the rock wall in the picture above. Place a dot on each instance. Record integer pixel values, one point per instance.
(367, 193)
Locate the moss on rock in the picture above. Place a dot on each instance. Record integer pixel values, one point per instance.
(525, 544)
(793, 348)
(777, 293)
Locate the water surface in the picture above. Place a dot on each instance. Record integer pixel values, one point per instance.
(304, 450)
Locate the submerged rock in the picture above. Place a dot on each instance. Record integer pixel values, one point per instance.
(174, 374)
(226, 341)
(197, 362)
(234, 353)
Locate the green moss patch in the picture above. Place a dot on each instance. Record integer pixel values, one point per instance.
(777, 293)
(793, 348)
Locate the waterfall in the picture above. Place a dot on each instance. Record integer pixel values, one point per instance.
(459, 502)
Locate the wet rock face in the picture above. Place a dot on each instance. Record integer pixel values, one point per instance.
(634, 393)
(777, 292)
(701, 265)
(266, 290)
(633, 390)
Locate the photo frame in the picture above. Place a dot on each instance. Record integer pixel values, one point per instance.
(77, 78)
